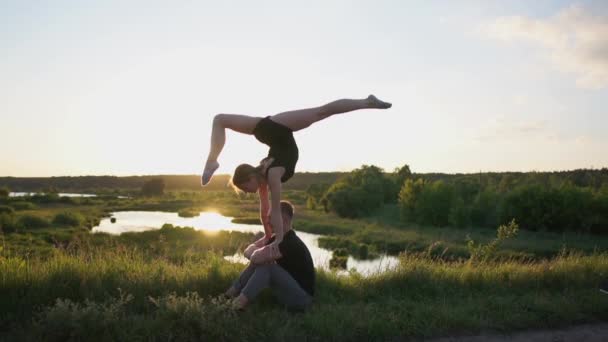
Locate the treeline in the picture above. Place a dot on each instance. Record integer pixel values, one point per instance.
(590, 178)
(105, 184)
(565, 207)
(551, 201)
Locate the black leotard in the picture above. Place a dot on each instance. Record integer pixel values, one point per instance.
(282, 145)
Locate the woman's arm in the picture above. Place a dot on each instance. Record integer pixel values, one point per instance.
(276, 220)
(264, 212)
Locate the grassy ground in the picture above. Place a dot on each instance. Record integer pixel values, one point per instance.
(125, 294)
(60, 282)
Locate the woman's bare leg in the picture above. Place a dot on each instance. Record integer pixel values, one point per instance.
(302, 118)
(239, 123)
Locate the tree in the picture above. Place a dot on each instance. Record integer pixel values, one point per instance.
(359, 193)
(4, 192)
(408, 199)
(314, 193)
(435, 203)
(153, 187)
(402, 174)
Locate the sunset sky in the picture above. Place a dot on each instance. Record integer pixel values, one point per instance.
(131, 87)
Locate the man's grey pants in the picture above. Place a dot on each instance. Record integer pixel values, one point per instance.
(255, 278)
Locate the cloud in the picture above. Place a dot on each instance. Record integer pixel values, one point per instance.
(510, 129)
(575, 40)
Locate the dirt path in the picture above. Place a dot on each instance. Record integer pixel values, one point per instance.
(579, 333)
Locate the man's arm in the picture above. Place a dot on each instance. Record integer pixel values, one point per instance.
(265, 255)
(249, 250)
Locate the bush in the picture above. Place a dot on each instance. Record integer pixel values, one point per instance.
(351, 202)
(408, 199)
(541, 208)
(188, 213)
(69, 218)
(482, 253)
(484, 211)
(153, 187)
(459, 215)
(22, 205)
(45, 198)
(435, 203)
(360, 193)
(4, 192)
(32, 221)
(5, 209)
(8, 223)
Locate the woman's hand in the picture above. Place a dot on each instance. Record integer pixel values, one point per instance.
(265, 163)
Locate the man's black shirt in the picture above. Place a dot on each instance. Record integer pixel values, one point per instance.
(296, 260)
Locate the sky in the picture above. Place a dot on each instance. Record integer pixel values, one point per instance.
(131, 87)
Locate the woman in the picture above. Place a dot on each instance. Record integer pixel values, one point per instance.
(276, 131)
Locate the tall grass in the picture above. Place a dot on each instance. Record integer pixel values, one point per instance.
(127, 294)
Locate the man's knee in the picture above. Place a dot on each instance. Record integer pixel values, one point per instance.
(262, 269)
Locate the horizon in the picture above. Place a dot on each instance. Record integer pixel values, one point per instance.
(316, 172)
(115, 89)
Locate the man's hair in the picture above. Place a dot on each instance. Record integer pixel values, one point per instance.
(287, 209)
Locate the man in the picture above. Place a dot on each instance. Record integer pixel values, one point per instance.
(289, 273)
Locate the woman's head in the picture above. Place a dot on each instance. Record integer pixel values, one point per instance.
(247, 178)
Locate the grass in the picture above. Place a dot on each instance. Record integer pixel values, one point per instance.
(127, 294)
(64, 283)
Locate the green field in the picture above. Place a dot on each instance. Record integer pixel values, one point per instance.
(60, 282)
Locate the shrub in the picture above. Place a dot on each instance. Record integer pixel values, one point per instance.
(188, 213)
(32, 221)
(360, 193)
(484, 210)
(8, 223)
(153, 187)
(435, 203)
(5, 209)
(68, 218)
(459, 215)
(482, 253)
(22, 205)
(408, 199)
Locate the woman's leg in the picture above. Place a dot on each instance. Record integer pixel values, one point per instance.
(300, 119)
(239, 123)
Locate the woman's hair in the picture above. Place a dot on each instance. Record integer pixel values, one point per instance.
(242, 173)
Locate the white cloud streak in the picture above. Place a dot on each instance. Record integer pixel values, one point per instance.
(575, 40)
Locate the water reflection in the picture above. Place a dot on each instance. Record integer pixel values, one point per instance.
(61, 194)
(137, 221)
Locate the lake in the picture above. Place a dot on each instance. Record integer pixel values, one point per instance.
(22, 194)
(138, 221)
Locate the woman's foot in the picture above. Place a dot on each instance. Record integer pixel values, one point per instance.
(210, 168)
(374, 102)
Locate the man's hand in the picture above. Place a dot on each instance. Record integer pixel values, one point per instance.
(249, 250)
(266, 254)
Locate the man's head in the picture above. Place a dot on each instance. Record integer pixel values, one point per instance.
(287, 211)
